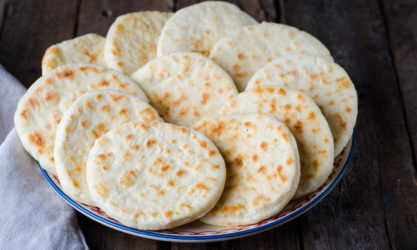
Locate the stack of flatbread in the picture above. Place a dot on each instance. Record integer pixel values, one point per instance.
(199, 114)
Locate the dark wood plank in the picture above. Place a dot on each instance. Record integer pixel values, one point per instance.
(4, 7)
(374, 206)
(287, 236)
(102, 237)
(96, 17)
(30, 27)
(401, 20)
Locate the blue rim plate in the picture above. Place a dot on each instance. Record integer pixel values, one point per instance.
(199, 232)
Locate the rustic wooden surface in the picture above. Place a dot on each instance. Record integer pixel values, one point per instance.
(375, 204)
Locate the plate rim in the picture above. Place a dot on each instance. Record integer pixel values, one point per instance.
(201, 238)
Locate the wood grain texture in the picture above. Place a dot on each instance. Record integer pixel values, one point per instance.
(96, 17)
(401, 19)
(30, 27)
(369, 208)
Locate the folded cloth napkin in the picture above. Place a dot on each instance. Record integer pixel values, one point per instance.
(32, 215)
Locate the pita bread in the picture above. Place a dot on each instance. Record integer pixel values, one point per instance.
(302, 116)
(83, 49)
(155, 176)
(41, 109)
(184, 87)
(263, 168)
(246, 50)
(89, 117)
(197, 27)
(324, 81)
(132, 39)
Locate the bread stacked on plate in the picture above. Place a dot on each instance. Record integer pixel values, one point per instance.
(148, 123)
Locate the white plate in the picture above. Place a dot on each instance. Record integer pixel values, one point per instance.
(199, 232)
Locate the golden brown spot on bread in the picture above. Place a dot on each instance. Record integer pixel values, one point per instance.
(290, 161)
(123, 112)
(231, 210)
(173, 141)
(24, 114)
(240, 56)
(84, 123)
(116, 98)
(137, 214)
(165, 168)
(259, 198)
(343, 82)
(212, 153)
(49, 96)
(101, 190)
(300, 97)
(311, 116)
(255, 157)
(126, 155)
(88, 105)
(264, 146)
(101, 157)
(135, 147)
(340, 121)
(186, 206)
(66, 73)
(238, 161)
(169, 213)
(171, 183)
(282, 91)
(348, 109)
(280, 174)
(129, 137)
(51, 159)
(150, 143)
(148, 115)
(105, 108)
(298, 127)
(287, 107)
(315, 130)
(154, 214)
(180, 173)
(37, 139)
(217, 128)
(203, 144)
(128, 178)
(214, 166)
(204, 97)
(33, 102)
(248, 125)
(99, 130)
(261, 169)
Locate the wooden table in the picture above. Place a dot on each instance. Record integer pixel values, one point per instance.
(375, 204)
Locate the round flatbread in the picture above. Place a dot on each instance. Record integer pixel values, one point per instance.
(184, 87)
(244, 51)
(197, 27)
(40, 110)
(262, 164)
(83, 49)
(324, 81)
(88, 118)
(132, 39)
(305, 120)
(155, 176)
